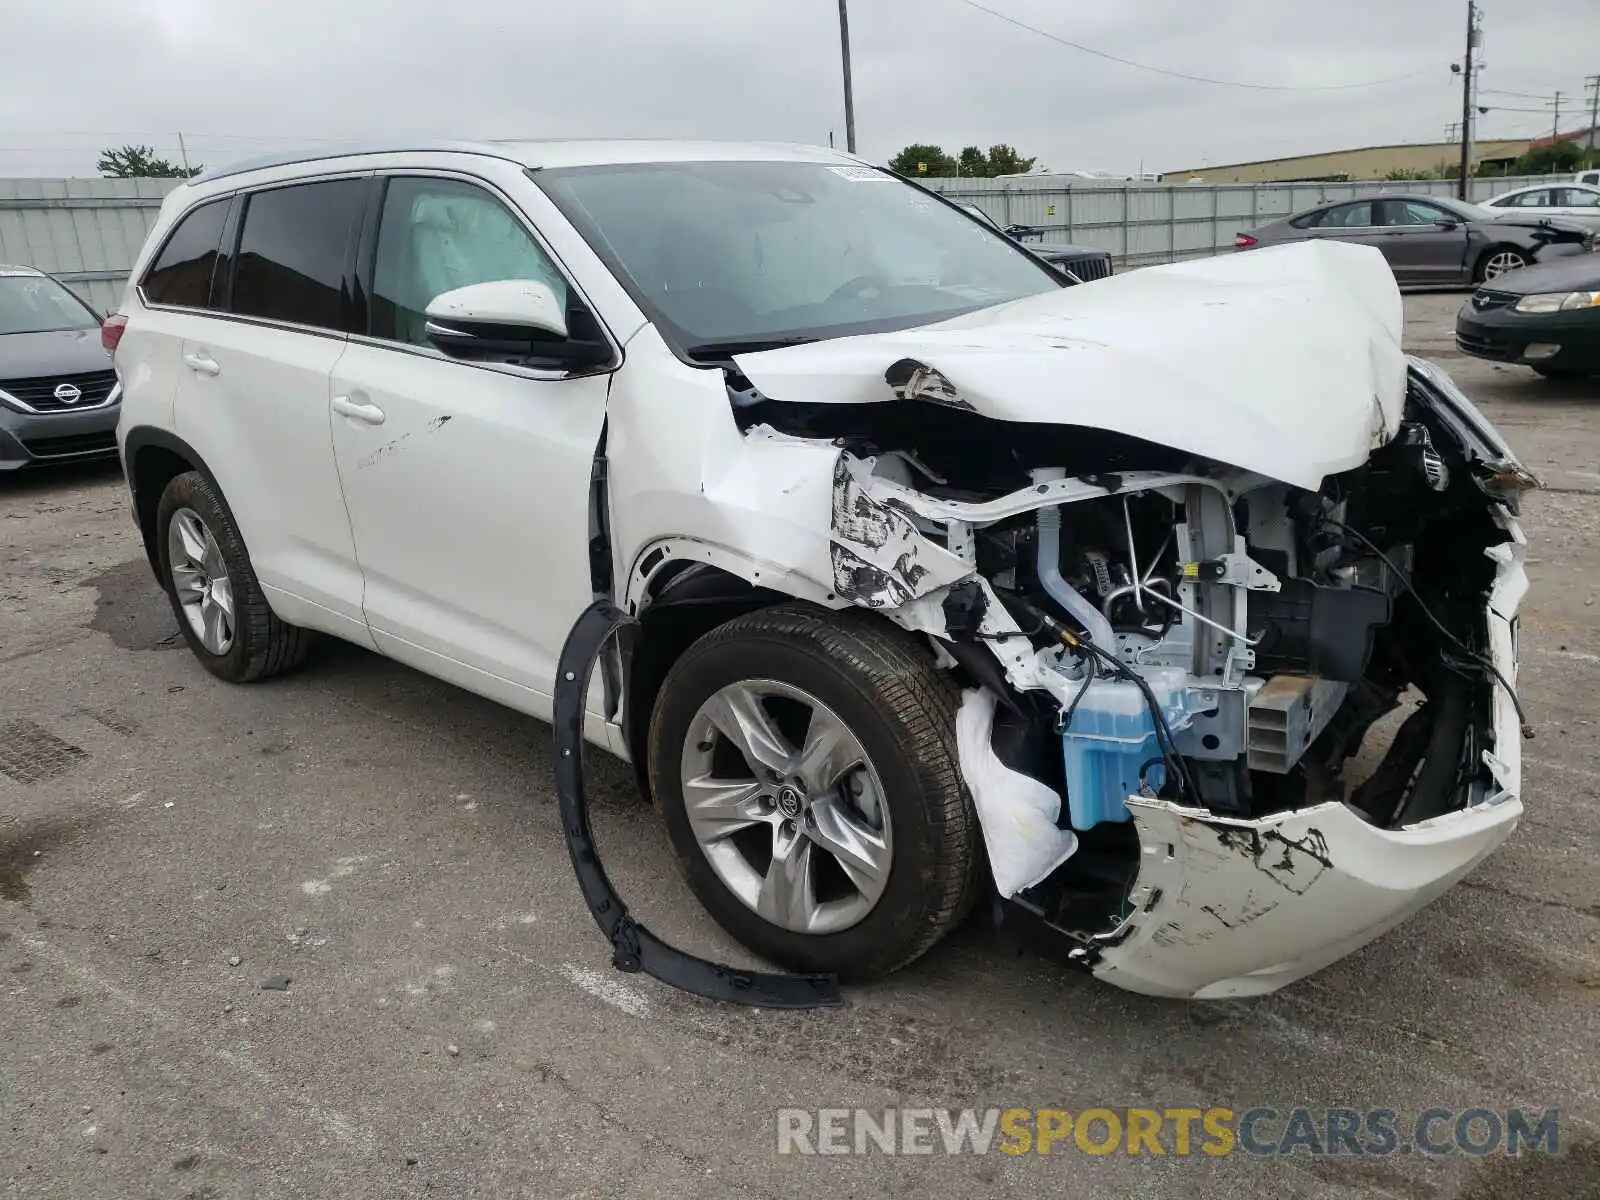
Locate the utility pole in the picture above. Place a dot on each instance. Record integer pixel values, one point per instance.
(849, 95)
(1592, 85)
(1464, 187)
(183, 151)
(1555, 125)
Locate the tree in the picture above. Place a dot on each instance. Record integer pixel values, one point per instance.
(140, 162)
(973, 162)
(1562, 158)
(1004, 160)
(923, 161)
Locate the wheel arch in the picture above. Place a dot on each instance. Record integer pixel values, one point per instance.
(680, 589)
(153, 458)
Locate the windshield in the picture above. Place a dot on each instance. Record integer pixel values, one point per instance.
(38, 304)
(728, 256)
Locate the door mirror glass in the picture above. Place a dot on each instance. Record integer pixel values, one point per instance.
(498, 307)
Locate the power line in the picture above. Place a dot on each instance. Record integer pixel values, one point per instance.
(1517, 95)
(1128, 62)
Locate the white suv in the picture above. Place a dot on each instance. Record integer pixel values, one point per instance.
(948, 576)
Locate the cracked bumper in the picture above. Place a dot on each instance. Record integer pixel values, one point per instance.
(1240, 908)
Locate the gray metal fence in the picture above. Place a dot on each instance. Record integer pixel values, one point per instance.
(86, 232)
(1146, 223)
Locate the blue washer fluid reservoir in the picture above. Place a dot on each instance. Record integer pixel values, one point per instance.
(1113, 736)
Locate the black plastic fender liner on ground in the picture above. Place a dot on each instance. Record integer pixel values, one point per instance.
(633, 947)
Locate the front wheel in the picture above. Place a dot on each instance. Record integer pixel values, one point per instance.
(806, 766)
(1502, 260)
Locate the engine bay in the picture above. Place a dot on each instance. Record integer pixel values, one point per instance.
(1155, 625)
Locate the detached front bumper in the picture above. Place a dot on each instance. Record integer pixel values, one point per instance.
(1240, 908)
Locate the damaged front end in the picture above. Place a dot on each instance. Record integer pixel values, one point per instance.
(1224, 723)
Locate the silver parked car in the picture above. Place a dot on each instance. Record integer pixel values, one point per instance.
(1432, 239)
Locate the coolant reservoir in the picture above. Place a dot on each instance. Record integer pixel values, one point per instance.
(1112, 739)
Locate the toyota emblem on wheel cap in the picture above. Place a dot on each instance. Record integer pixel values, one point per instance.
(791, 801)
(68, 393)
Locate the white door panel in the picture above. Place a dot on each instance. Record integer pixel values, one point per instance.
(470, 508)
(253, 401)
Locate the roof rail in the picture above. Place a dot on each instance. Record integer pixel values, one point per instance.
(351, 149)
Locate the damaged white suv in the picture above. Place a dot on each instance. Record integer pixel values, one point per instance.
(1178, 607)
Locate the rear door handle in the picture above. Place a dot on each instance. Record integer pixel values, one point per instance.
(202, 363)
(357, 411)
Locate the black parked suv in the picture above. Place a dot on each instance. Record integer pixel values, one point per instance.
(58, 392)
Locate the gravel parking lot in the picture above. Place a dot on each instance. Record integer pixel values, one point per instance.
(451, 1024)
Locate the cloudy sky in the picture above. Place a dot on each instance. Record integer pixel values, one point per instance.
(239, 77)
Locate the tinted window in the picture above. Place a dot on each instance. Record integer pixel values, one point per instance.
(182, 271)
(1347, 216)
(1413, 212)
(437, 235)
(292, 252)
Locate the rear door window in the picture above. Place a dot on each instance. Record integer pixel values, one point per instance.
(1348, 216)
(1538, 198)
(294, 253)
(181, 273)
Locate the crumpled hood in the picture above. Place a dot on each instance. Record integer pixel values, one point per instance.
(1285, 361)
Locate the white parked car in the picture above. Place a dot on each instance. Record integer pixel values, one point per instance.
(948, 577)
(1553, 200)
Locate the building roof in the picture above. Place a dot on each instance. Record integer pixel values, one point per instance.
(550, 153)
(1480, 147)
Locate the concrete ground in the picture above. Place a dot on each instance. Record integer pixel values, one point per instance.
(452, 1026)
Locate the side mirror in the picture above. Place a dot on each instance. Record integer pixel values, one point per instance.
(1448, 223)
(509, 320)
(499, 305)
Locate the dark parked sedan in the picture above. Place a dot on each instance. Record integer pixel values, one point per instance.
(1081, 263)
(58, 392)
(1432, 239)
(1546, 317)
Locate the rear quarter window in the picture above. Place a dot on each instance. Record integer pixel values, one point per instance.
(182, 271)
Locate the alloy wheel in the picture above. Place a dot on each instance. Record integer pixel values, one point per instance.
(786, 806)
(1502, 263)
(200, 580)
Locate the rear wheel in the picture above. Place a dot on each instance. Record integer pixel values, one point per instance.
(806, 766)
(1500, 260)
(221, 610)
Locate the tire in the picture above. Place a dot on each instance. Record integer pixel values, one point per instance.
(1502, 259)
(257, 644)
(882, 688)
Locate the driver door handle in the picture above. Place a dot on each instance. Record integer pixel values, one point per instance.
(202, 363)
(358, 410)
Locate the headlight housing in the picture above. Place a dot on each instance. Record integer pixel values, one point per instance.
(1549, 302)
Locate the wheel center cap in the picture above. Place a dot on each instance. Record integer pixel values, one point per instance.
(791, 801)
